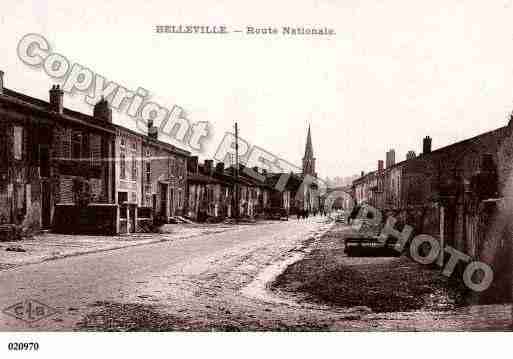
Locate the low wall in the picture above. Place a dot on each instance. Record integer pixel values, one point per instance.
(483, 232)
(99, 219)
(423, 219)
(492, 244)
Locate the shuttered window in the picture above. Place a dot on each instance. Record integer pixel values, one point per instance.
(18, 142)
(66, 190)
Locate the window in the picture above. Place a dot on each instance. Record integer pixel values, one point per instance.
(171, 164)
(18, 142)
(180, 198)
(134, 168)
(76, 145)
(95, 149)
(148, 172)
(122, 165)
(180, 168)
(122, 197)
(133, 160)
(122, 158)
(86, 148)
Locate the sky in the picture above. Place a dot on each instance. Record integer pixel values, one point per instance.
(394, 72)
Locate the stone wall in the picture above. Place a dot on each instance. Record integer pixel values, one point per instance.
(99, 219)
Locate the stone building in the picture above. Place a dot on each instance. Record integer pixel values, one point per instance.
(150, 176)
(211, 192)
(461, 195)
(365, 188)
(76, 173)
(280, 198)
(53, 168)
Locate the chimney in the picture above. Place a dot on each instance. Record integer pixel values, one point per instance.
(256, 169)
(192, 164)
(264, 172)
(102, 111)
(1, 82)
(426, 145)
(410, 155)
(380, 165)
(56, 99)
(220, 167)
(152, 130)
(390, 158)
(208, 167)
(362, 174)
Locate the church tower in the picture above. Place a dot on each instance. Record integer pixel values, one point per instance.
(309, 159)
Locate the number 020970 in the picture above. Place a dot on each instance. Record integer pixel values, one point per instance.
(32, 346)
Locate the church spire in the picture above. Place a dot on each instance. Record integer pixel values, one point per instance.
(309, 159)
(308, 148)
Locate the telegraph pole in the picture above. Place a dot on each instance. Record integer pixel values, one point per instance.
(237, 204)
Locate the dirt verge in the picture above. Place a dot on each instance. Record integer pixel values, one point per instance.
(327, 276)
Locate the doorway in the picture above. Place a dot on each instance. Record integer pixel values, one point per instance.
(46, 205)
(163, 199)
(171, 202)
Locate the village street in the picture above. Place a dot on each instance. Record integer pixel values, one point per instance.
(215, 281)
(163, 273)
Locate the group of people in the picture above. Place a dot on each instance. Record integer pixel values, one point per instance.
(304, 213)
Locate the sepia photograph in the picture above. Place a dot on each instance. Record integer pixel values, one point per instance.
(312, 175)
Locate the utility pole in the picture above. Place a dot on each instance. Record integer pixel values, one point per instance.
(237, 204)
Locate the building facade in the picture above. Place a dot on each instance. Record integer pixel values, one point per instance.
(216, 193)
(53, 159)
(151, 179)
(78, 173)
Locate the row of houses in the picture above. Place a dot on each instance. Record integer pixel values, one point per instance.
(212, 192)
(434, 176)
(460, 194)
(72, 172)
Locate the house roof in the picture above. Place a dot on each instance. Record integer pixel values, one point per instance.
(462, 146)
(201, 178)
(155, 142)
(80, 118)
(44, 107)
